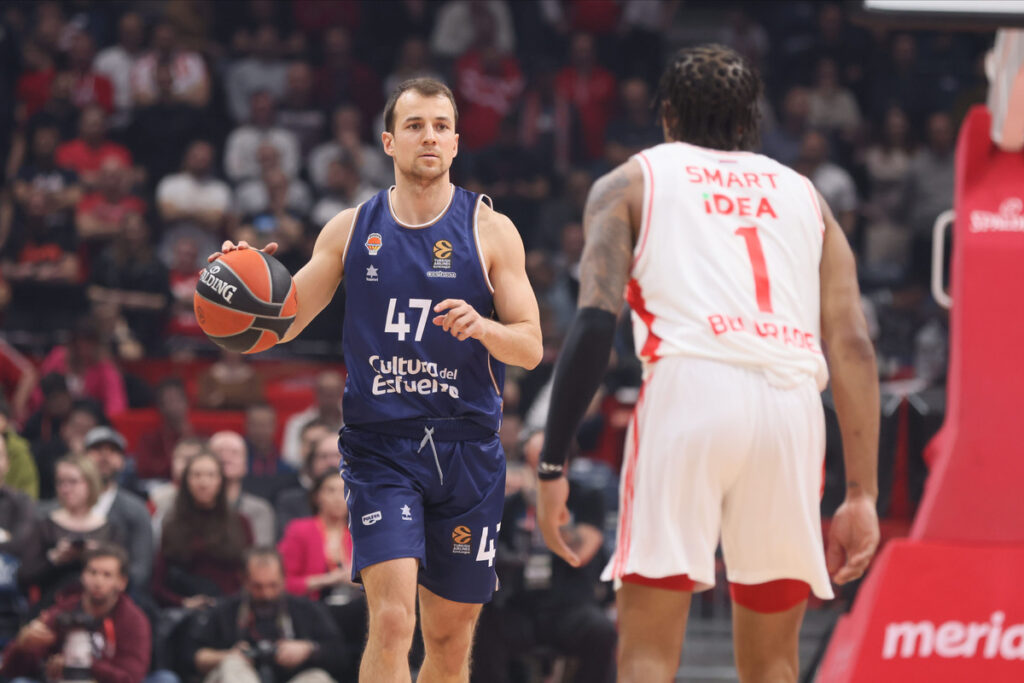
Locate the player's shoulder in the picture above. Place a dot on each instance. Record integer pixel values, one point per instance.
(491, 222)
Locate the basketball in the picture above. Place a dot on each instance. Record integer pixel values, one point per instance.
(245, 301)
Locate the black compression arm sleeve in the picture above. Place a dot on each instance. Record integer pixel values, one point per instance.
(579, 372)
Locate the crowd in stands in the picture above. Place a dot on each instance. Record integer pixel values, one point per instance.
(147, 476)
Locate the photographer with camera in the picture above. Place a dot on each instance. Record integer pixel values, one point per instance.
(99, 635)
(265, 635)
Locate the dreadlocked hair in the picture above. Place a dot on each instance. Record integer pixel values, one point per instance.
(709, 97)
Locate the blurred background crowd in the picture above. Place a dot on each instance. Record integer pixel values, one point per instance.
(136, 136)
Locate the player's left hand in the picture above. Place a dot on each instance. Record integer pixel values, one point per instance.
(462, 320)
(553, 514)
(852, 539)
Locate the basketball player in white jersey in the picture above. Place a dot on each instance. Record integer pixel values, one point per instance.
(744, 298)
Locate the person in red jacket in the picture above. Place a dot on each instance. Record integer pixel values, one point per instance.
(119, 632)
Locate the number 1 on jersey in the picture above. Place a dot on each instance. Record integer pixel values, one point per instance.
(762, 287)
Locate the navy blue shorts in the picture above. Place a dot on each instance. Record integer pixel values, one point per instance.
(399, 506)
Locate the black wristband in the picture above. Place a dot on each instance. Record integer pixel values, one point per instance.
(581, 367)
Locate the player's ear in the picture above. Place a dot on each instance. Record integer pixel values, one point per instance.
(388, 141)
(455, 151)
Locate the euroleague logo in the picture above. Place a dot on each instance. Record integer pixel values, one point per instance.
(373, 243)
(461, 537)
(442, 249)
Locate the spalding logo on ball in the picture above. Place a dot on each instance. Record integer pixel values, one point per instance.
(245, 301)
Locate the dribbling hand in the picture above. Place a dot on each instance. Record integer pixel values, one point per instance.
(230, 246)
(553, 514)
(852, 539)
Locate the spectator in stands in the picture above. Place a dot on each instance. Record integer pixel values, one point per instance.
(117, 62)
(322, 457)
(183, 328)
(193, 203)
(45, 422)
(327, 408)
(488, 84)
(512, 176)
(105, 447)
(17, 511)
(902, 82)
(887, 163)
(264, 457)
(542, 595)
(242, 150)
(229, 384)
(40, 262)
(635, 129)
(833, 108)
(550, 125)
(162, 495)
(89, 87)
(375, 168)
(460, 23)
(345, 189)
(41, 172)
(831, 180)
(929, 188)
(560, 210)
(119, 633)
(255, 196)
(83, 415)
(591, 88)
(301, 633)
(165, 126)
(128, 275)
(53, 557)
(783, 144)
(36, 80)
(298, 111)
(229, 448)
(262, 70)
(344, 79)
(19, 468)
(190, 83)
(58, 109)
(85, 361)
(153, 456)
(101, 213)
(317, 550)
(86, 154)
(18, 380)
(279, 223)
(413, 62)
(203, 542)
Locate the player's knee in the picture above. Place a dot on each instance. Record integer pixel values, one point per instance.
(767, 667)
(393, 623)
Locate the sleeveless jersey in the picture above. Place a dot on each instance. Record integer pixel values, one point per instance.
(400, 365)
(726, 263)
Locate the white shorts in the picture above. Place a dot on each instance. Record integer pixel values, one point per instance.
(715, 451)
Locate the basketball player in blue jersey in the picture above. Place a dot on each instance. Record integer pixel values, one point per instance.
(437, 302)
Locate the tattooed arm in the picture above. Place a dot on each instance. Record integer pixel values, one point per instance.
(610, 223)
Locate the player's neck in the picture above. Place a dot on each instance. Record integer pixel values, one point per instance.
(415, 203)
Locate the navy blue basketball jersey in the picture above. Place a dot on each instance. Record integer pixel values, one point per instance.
(402, 367)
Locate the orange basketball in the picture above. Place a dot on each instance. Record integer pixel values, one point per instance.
(245, 301)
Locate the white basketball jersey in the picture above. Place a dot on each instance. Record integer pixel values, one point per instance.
(726, 263)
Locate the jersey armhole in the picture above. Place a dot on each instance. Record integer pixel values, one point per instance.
(646, 209)
(815, 203)
(476, 238)
(351, 231)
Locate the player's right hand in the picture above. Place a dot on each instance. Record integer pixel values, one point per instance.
(229, 246)
(553, 514)
(852, 539)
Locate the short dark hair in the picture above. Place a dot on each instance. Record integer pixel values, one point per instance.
(314, 489)
(109, 550)
(265, 553)
(428, 87)
(708, 96)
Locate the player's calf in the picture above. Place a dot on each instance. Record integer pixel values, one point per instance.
(766, 629)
